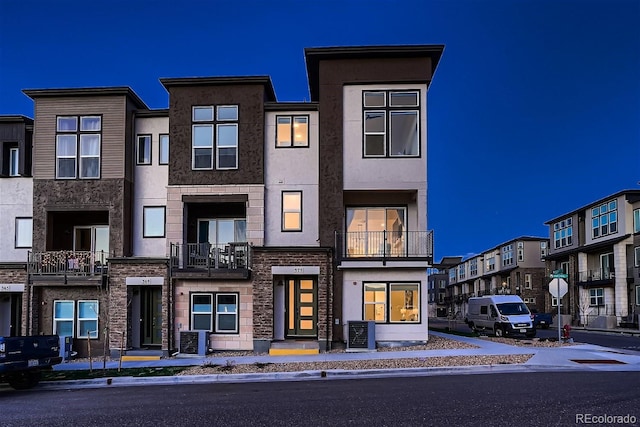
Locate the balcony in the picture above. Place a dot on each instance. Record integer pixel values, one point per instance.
(596, 277)
(228, 261)
(67, 265)
(385, 246)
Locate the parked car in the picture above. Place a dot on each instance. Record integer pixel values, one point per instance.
(541, 320)
(502, 314)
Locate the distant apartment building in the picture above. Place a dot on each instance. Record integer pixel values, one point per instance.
(598, 247)
(228, 213)
(514, 267)
(438, 279)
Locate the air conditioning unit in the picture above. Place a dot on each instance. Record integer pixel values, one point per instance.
(194, 342)
(361, 335)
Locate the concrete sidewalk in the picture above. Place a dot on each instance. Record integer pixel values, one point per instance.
(582, 357)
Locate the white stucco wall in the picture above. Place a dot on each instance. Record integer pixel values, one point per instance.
(383, 173)
(150, 188)
(291, 169)
(353, 294)
(16, 200)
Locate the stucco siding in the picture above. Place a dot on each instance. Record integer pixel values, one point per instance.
(16, 200)
(150, 188)
(291, 169)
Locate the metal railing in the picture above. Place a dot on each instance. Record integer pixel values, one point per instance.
(67, 263)
(208, 256)
(384, 244)
(595, 275)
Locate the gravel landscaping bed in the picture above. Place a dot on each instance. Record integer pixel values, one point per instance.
(434, 343)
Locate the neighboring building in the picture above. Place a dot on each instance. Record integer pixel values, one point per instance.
(438, 279)
(514, 267)
(253, 220)
(16, 210)
(598, 246)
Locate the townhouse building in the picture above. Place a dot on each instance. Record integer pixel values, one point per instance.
(438, 280)
(598, 247)
(229, 214)
(514, 267)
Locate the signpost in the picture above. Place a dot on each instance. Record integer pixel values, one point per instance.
(558, 287)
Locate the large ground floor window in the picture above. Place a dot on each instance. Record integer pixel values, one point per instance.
(77, 319)
(392, 302)
(216, 312)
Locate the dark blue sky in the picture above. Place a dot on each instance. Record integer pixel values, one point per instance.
(534, 110)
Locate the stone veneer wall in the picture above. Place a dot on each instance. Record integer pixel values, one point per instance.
(17, 274)
(43, 304)
(263, 299)
(120, 295)
(243, 340)
(255, 209)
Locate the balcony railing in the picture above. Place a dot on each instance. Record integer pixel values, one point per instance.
(596, 275)
(67, 263)
(206, 256)
(385, 244)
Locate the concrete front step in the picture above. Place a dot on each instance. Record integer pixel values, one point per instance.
(293, 347)
(141, 355)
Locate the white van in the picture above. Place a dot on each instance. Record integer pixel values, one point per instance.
(503, 314)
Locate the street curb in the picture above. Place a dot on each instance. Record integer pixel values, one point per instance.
(335, 374)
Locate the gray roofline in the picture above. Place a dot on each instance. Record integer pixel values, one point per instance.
(222, 80)
(17, 118)
(585, 207)
(313, 56)
(87, 91)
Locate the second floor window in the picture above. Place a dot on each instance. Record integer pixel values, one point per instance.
(164, 150)
(473, 267)
(144, 149)
(391, 123)
(636, 221)
(563, 233)
(461, 271)
(13, 162)
(604, 219)
(491, 263)
(78, 147)
(507, 255)
(292, 131)
(291, 211)
(215, 135)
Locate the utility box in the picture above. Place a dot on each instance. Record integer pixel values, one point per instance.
(361, 335)
(66, 348)
(194, 342)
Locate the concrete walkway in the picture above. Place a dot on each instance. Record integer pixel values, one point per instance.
(582, 357)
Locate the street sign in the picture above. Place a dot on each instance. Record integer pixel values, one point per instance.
(559, 274)
(558, 287)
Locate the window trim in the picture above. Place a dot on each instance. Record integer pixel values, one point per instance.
(148, 146)
(216, 322)
(144, 222)
(55, 319)
(284, 211)
(17, 229)
(388, 285)
(14, 161)
(95, 334)
(388, 111)
(162, 150)
(292, 120)
(192, 312)
(79, 157)
(218, 147)
(214, 313)
(597, 297)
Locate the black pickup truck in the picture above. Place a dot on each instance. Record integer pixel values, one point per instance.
(22, 359)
